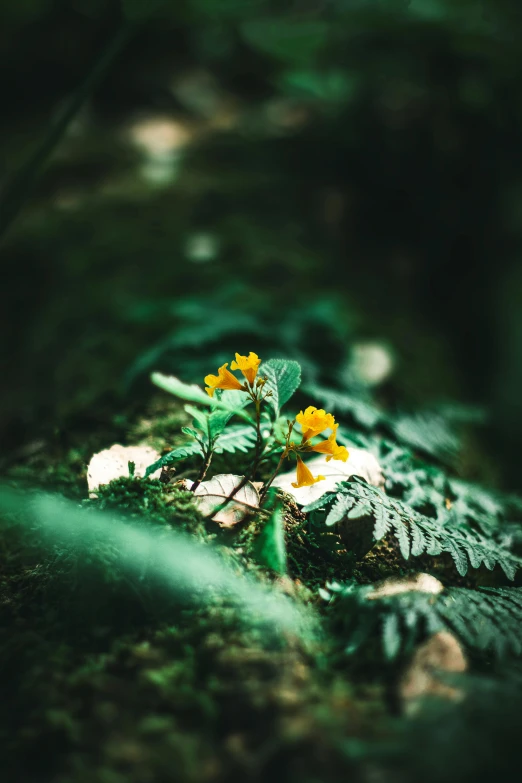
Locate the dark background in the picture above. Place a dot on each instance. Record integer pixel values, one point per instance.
(353, 170)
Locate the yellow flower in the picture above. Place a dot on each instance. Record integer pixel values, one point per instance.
(224, 380)
(314, 421)
(331, 448)
(304, 475)
(248, 365)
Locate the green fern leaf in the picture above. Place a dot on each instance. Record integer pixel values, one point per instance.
(182, 452)
(340, 508)
(237, 437)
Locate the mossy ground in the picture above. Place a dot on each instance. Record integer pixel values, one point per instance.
(110, 680)
(110, 683)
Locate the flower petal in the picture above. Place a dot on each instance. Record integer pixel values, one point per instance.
(305, 477)
(224, 380)
(248, 365)
(313, 421)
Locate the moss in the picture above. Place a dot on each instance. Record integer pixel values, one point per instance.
(161, 504)
(209, 698)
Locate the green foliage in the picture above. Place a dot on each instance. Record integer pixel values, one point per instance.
(237, 437)
(146, 555)
(428, 433)
(181, 452)
(284, 377)
(416, 533)
(290, 40)
(462, 504)
(229, 401)
(270, 550)
(487, 619)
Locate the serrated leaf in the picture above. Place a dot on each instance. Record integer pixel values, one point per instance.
(284, 378)
(320, 503)
(190, 431)
(418, 541)
(270, 545)
(361, 510)
(341, 507)
(509, 567)
(382, 522)
(460, 560)
(182, 452)
(217, 421)
(199, 416)
(403, 537)
(237, 437)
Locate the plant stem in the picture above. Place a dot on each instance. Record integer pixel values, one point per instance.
(257, 458)
(17, 192)
(272, 477)
(203, 471)
(259, 443)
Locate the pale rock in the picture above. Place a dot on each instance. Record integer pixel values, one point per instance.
(113, 463)
(422, 583)
(440, 653)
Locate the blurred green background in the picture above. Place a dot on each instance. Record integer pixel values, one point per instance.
(299, 178)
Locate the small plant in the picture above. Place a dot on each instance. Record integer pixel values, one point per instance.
(268, 387)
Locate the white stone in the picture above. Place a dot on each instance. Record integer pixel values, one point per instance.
(110, 464)
(422, 583)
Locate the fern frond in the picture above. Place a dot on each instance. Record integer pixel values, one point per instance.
(182, 452)
(417, 533)
(486, 619)
(236, 437)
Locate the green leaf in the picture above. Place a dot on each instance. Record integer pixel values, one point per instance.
(291, 40)
(363, 509)
(184, 391)
(182, 452)
(238, 437)
(190, 431)
(284, 378)
(231, 401)
(270, 546)
(200, 417)
(217, 421)
(342, 506)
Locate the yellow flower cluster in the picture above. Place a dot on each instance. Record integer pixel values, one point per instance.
(248, 365)
(313, 422)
